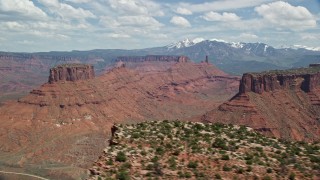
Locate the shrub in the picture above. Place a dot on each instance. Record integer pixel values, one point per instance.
(123, 175)
(267, 178)
(226, 168)
(172, 163)
(217, 176)
(109, 162)
(269, 170)
(240, 170)
(135, 135)
(143, 153)
(225, 157)
(199, 174)
(157, 169)
(292, 176)
(219, 143)
(187, 175)
(155, 159)
(314, 159)
(121, 157)
(176, 152)
(125, 166)
(193, 164)
(160, 150)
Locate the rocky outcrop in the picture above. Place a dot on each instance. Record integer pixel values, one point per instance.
(284, 104)
(314, 65)
(163, 58)
(306, 79)
(71, 72)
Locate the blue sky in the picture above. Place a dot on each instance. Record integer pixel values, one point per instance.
(51, 25)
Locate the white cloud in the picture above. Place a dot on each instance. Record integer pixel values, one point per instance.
(21, 9)
(221, 5)
(26, 42)
(310, 37)
(183, 11)
(66, 11)
(136, 7)
(180, 21)
(284, 15)
(50, 3)
(79, 1)
(139, 21)
(118, 35)
(214, 16)
(110, 22)
(251, 24)
(13, 25)
(248, 36)
(306, 47)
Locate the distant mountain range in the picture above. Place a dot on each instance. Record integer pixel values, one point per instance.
(232, 57)
(239, 57)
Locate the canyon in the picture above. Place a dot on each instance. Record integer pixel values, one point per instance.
(22, 72)
(283, 104)
(66, 122)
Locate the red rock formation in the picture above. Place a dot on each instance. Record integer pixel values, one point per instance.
(266, 82)
(68, 121)
(71, 72)
(284, 104)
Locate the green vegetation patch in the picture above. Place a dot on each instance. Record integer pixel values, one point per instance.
(183, 150)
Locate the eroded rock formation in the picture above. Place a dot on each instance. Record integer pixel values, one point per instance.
(67, 122)
(284, 104)
(71, 72)
(306, 79)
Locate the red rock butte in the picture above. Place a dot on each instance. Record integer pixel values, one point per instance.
(281, 103)
(71, 72)
(307, 79)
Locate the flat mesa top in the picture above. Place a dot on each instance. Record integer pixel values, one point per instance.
(72, 65)
(296, 71)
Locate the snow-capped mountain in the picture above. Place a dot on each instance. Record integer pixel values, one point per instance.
(259, 49)
(248, 48)
(184, 43)
(239, 57)
(238, 45)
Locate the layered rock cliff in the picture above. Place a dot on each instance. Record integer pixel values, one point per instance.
(306, 79)
(71, 72)
(282, 103)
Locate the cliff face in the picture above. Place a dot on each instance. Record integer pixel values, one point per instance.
(163, 58)
(306, 80)
(71, 72)
(282, 103)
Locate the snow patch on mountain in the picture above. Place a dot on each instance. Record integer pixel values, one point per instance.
(297, 46)
(218, 40)
(237, 45)
(185, 43)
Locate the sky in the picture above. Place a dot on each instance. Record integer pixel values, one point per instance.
(64, 25)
